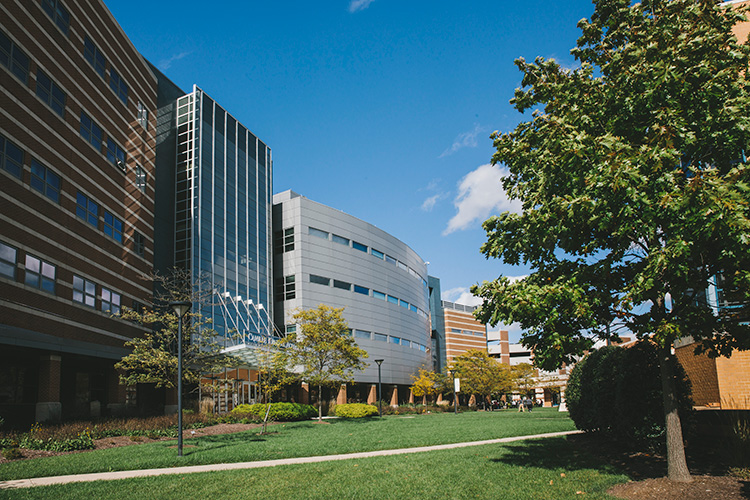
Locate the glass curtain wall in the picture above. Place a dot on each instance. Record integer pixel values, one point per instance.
(223, 210)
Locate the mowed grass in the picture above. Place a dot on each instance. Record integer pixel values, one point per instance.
(300, 439)
(549, 468)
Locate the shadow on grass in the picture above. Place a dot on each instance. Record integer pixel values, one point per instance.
(568, 453)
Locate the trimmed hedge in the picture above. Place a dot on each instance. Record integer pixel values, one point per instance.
(355, 410)
(618, 391)
(280, 412)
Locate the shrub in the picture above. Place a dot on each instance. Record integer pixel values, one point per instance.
(279, 412)
(12, 453)
(356, 410)
(618, 391)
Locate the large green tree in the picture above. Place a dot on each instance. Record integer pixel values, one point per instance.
(323, 351)
(634, 187)
(481, 374)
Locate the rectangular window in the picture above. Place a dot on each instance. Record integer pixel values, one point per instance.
(390, 259)
(290, 330)
(406, 343)
(361, 289)
(318, 233)
(11, 157)
(142, 115)
(110, 301)
(113, 226)
(84, 291)
(45, 181)
(139, 244)
(49, 92)
(87, 209)
(342, 285)
(359, 246)
(286, 288)
(91, 131)
(140, 178)
(455, 330)
(340, 239)
(404, 304)
(380, 337)
(288, 239)
(392, 299)
(320, 280)
(40, 274)
(14, 58)
(361, 334)
(377, 253)
(401, 265)
(378, 295)
(94, 56)
(395, 340)
(118, 85)
(115, 154)
(8, 261)
(412, 307)
(58, 13)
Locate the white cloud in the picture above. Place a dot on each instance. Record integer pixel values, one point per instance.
(165, 64)
(433, 187)
(460, 295)
(356, 5)
(429, 203)
(464, 140)
(479, 195)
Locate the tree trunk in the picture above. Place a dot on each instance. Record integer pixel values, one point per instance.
(677, 469)
(320, 403)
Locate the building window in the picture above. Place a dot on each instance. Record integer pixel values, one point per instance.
(318, 233)
(320, 280)
(392, 299)
(87, 209)
(361, 289)
(340, 239)
(361, 334)
(115, 154)
(142, 115)
(290, 330)
(11, 157)
(84, 291)
(110, 301)
(14, 58)
(377, 253)
(94, 56)
(49, 92)
(406, 343)
(58, 13)
(286, 288)
(342, 285)
(139, 244)
(118, 85)
(40, 274)
(359, 246)
(395, 340)
(378, 295)
(8, 261)
(404, 304)
(91, 131)
(45, 181)
(380, 337)
(285, 240)
(140, 178)
(112, 226)
(390, 260)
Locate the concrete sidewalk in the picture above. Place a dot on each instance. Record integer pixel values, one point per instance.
(107, 476)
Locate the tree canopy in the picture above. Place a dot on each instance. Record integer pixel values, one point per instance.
(481, 374)
(323, 350)
(633, 180)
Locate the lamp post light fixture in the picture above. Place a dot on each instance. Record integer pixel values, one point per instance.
(380, 398)
(180, 309)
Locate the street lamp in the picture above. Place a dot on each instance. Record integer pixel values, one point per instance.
(180, 309)
(380, 399)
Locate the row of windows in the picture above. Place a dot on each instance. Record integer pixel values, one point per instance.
(381, 337)
(96, 58)
(343, 285)
(58, 13)
(467, 332)
(365, 249)
(43, 275)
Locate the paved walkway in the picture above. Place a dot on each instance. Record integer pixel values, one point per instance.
(106, 476)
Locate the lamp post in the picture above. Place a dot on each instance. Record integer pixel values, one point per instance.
(380, 398)
(180, 309)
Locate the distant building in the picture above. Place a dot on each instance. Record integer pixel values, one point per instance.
(462, 331)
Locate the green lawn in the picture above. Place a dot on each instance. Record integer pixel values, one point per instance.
(301, 439)
(538, 469)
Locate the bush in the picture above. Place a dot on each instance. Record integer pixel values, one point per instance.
(618, 391)
(355, 410)
(280, 412)
(12, 453)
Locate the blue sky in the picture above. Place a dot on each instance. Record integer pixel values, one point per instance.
(379, 108)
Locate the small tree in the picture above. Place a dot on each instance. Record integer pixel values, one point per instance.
(523, 378)
(323, 350)
(481, 374)
(153, 358)
(425, 384)
(273, 375)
